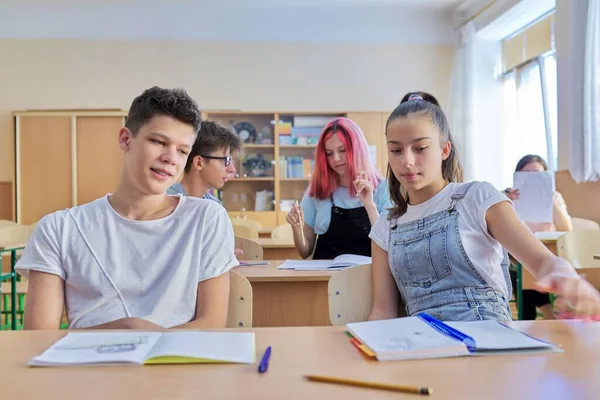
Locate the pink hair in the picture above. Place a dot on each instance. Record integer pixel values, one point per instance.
(324, 179)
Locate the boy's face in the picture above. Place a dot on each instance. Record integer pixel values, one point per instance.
(214, 172)
(155, 157)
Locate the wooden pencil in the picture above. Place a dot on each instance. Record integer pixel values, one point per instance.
(373, 385)
(301, 225)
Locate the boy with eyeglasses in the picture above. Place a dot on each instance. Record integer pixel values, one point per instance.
(209, 164)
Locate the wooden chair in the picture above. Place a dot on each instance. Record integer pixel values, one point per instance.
(580, 224)
(250, 223)
(579, 248)
(5, 222)
(350, 295)
(245, 232)
(252, 250)
(15, 235)
(239, 314)
(282, 232)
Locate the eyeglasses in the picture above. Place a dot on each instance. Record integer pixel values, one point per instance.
(226, 159)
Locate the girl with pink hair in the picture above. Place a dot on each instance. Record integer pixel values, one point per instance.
(344, 199)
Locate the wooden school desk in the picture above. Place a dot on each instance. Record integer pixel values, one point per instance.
(280, 297)
(287, 297)
(525, 279)
(278, 249)
(265, 233)
(317, 350)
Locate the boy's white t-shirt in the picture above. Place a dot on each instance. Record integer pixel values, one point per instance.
(114, 267)
(483, 250)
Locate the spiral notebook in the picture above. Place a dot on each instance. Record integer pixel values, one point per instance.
(133, 347)
(423, 337)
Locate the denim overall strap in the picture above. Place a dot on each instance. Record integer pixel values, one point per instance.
(433, 272)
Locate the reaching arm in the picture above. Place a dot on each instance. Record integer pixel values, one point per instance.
(385, 291)
(212, 304)
(553, 274)
(45, 301)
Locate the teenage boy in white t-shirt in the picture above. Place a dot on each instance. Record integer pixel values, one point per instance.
(136, 258)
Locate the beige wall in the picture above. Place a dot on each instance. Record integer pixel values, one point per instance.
(55, 74)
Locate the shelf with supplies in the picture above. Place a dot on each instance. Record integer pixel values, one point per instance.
(275, 166)
(260, 188)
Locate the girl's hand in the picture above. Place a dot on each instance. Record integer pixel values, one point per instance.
(364, 188)
(512, 194)
(295, 217)
(577, 297)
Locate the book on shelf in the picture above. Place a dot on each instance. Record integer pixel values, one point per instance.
(295, 167)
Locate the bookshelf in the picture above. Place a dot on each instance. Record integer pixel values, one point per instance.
(78, 148)
(277, 158)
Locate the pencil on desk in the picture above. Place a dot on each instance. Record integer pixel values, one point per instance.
(373, 385)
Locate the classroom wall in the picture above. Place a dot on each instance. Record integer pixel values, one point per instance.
(581, 198)
(54, 74)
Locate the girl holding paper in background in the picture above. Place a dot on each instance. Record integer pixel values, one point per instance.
(561, 218)
(345, 196)
(442, 245)
(561, 222)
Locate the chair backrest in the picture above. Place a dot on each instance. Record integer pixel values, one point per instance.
(250, 223)
(5, 222)
(245, 232)
(239, 314)
(252, 250)
(350, 295)
(580, 224)
(579, 248)
(15, 234)
(282, 232)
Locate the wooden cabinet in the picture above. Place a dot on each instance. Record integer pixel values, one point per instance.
(64, 159)
(68, 158)
(284, 183)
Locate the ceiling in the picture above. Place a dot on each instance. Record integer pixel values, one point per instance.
(428, 4)
(327, 21)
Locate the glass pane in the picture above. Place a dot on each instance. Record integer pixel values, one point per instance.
(512, 152)
(531, 126)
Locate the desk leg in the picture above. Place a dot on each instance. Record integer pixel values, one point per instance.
(519, 291)
(13, 287)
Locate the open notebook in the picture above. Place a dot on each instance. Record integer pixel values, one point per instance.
(423, 337)
(340, 262)
(185, 347)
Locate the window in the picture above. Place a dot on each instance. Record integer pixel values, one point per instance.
(530, 96)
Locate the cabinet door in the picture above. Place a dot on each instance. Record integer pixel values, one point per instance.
(99, 158)
(44, 167)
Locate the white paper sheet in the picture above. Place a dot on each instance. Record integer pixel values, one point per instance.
(535, 196)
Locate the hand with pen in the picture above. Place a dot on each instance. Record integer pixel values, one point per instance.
(364, 188)
(295, 217)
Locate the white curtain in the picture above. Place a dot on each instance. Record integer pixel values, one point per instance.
(461, 97)
(475, 109)
(584, 160)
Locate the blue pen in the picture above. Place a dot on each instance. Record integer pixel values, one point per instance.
(264, 362)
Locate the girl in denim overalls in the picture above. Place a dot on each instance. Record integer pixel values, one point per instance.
(441, 247)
